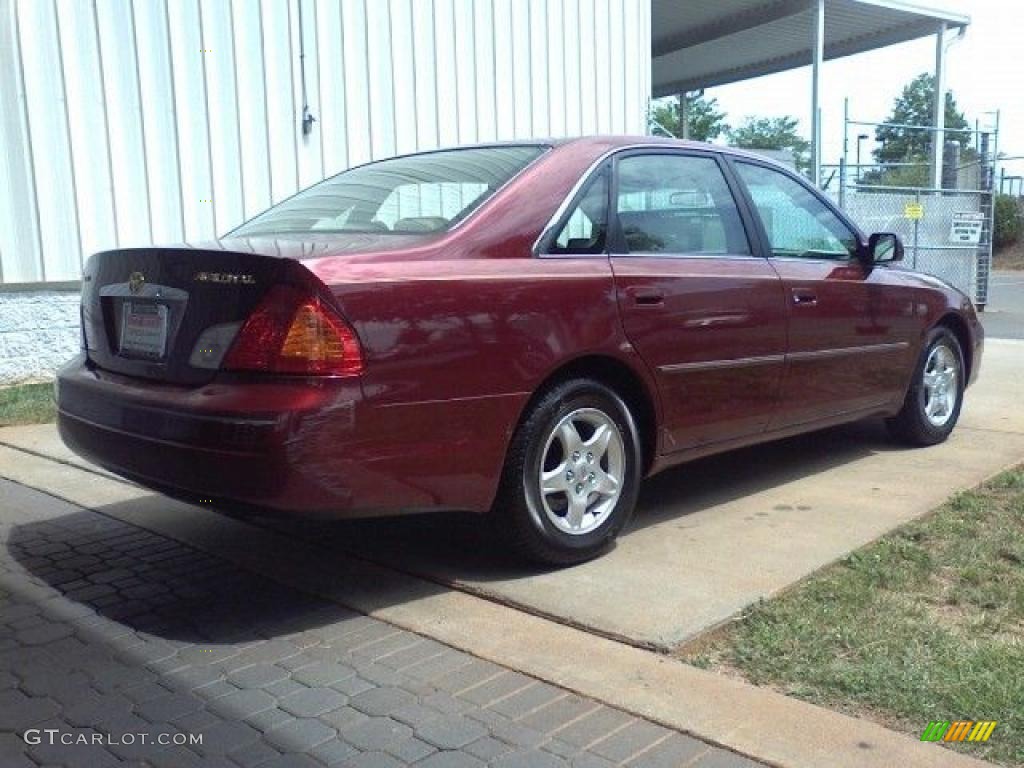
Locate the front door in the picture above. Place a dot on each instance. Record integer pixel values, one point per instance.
(849, 332)
(706, 314)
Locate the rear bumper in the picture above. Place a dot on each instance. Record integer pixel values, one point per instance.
(272, 447)
(292, 446)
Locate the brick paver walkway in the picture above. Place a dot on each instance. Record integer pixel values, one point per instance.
(114, 634)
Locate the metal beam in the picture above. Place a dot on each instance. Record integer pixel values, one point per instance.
(728, 25)
(952, 19)
(913, 31)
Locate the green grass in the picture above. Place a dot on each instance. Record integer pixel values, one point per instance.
(925, 624)
(26, 404)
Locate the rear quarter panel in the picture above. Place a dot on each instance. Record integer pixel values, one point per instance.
(454, 349)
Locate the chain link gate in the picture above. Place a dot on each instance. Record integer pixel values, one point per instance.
(946, 228)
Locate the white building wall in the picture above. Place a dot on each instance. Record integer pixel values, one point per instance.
(131, 122)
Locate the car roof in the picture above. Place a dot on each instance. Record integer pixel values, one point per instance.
(624, 141)
(612, 142)
(602, 143)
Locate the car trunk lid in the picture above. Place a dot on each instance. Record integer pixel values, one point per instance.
(170, 314)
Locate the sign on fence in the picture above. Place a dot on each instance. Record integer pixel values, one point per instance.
(966, 228)
(913, 211)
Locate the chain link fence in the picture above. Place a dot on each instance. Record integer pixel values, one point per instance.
(946, 224)
(928, 230)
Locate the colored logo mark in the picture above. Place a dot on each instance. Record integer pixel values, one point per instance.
(958, 730)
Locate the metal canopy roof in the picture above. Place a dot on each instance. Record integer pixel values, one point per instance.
(697, 44)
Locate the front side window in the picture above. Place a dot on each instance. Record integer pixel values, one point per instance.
(798, 224)
(677, 204)
(585, 229)
(428, 192)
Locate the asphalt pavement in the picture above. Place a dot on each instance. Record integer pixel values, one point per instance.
(1003, 317)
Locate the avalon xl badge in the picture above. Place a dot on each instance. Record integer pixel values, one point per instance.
(230, 278)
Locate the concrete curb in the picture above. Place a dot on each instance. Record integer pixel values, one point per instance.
(746, 719)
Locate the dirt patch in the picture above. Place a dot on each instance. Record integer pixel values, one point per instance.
(1010, 257)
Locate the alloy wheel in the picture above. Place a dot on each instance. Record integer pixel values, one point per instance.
(582, 470)
(941, 385)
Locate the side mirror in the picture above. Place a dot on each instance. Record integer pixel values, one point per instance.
(884, 247)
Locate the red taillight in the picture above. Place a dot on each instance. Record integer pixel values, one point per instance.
(293, 332)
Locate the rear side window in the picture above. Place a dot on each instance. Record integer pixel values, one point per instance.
(429, 192)
(677, 204)
(585, 230)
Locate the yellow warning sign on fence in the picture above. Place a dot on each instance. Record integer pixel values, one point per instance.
(914, 211)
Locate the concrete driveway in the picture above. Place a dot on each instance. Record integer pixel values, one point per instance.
(715, 536)
(710, 538)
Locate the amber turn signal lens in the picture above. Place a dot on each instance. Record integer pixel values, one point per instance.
(298, 334)
(319, 342)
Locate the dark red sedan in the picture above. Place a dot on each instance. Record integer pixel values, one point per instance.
(521, 330)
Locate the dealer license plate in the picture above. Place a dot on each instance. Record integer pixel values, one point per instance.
(144, 329)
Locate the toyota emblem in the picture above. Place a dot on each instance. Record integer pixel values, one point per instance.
(135, 282)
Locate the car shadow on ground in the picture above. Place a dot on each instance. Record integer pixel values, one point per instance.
(163, 587)
(719, 479)
(457, 548)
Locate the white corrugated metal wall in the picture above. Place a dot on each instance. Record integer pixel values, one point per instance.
(129, 122)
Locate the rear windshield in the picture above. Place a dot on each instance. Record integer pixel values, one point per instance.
(419, 193)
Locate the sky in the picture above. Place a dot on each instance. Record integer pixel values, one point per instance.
(985, 72)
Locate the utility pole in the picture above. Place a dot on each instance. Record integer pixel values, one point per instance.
(684, 116)
(939, 106)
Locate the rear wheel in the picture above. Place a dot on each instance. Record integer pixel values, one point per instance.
(932, 405)
(571, 477)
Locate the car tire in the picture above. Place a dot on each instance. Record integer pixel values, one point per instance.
(571, 476)
(932, 404)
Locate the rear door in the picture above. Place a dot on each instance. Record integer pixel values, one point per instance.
(701, 307)
(849, 331)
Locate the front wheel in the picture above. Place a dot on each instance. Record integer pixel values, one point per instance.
(571, 477)
(932, 405)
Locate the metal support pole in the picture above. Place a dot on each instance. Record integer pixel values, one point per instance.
(845, 160)
(917, 230)
(985, 265)
(842, 182)
(939, 105)
(684, 116)
(817, 56)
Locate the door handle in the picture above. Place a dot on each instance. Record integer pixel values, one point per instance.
(803, 297)
(649, 299)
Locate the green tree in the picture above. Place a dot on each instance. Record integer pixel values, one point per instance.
(1009, 221)
(914, 107)
(772, 133)
(706, 121)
